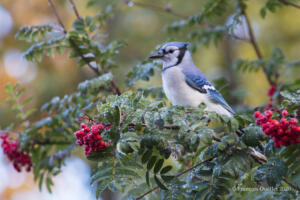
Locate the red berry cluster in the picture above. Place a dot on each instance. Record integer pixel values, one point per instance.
(283, 132)
(91, 138)
(19, 158)
(270, 93)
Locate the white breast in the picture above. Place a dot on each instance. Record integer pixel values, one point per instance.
(179, 93)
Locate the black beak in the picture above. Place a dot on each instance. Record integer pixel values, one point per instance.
(156, 55)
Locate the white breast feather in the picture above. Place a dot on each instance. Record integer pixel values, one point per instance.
(179, 93)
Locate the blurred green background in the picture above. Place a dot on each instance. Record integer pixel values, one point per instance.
(142, 29)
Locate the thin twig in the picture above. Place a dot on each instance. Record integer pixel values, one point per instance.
(57, 15)
(256, 47)
(115, 88)
(75, 10)
(157, 8)
(171, 127)
(168, 10)
(261, 162)
(290, 184)
(289, 3)
(216, 138)
(176, 176)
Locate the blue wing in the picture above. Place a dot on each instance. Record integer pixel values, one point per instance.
(201, 84)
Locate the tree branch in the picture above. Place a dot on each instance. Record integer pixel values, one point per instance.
(157, 8)
(176, 176)
(57, 15)
(75, 10)
(115, 88)
(256, 47)
(261, 162)
(290, 184)
(288, 3)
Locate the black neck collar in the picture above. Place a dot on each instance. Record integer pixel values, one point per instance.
(180, 57)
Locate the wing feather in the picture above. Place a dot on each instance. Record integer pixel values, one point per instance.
(204, 86)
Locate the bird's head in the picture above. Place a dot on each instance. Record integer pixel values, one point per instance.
(171, 53)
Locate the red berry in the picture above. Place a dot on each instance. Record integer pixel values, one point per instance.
(271, 90)
(18, 158)
(284, 113)
(293, 121)
(98, 137)
(280, 131)
(83, 125)
(102, 143)
(276, 123)
(91, 138)
(268, 113)
(277, 145)
(100, 127)
(257, 114)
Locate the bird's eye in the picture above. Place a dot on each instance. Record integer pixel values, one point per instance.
(171, 50)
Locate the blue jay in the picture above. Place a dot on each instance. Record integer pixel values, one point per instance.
(184, 84)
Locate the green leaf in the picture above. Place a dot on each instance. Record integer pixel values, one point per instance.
(252, 135)
(29, 112)
(167, 178)
(117, 115)
(146, 156)
(292, 97)
(166, 169)
(158, 165)
(79, 26)
(159, 183)
(126, 173)
(101, 187)
(101, 155)
(273, 171)
(222, 146)
(49, 183)
(151, 162)
(27, 100)
(141, 71)
(102, 173)
(147, 178)
(41, 179)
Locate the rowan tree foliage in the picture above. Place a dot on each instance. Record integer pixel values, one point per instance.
(143, 147)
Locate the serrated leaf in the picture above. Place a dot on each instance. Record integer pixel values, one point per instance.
(158, 165)
(128, 173)
(151, 162)
(49, 183)
(102, 155)
(272, 172)
(27, 100)
(159, 183)
(101, 187)
(41, 179)
(147, 178)
(146, 156)
(95, 84)
(78, 25)
(102, 173)
(167, 178)
(166, 169)
(29, 112)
